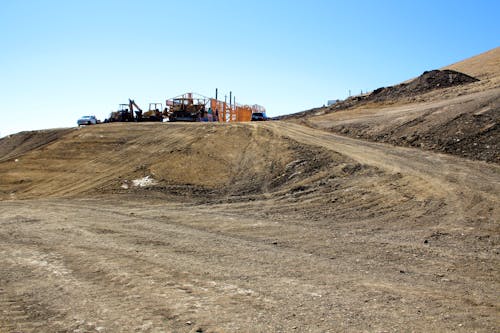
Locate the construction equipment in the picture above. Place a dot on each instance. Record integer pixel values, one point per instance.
(138, 112)
(188, 107)
(153, 114)
(124, 113)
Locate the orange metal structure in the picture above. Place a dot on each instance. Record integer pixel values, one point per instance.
(211, 109)
(226, 113)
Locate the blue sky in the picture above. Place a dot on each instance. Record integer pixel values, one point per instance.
(60, 60)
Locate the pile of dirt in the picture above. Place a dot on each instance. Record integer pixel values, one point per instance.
(302, 231)
(485, 66)
(429, 80)
(403, 92)
(441, 110)
(20, 143)
(202, 162)
(474, 135)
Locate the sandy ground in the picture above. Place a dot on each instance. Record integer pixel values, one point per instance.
(462, 120)
(466, 125)
(261, 227)
(269, 227)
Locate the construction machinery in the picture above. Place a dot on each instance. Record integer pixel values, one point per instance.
(124, 113)
(138, 112)
(188, 107)
(153, 114)
(195, 107)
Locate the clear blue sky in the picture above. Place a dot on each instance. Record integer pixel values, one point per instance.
(60, 60)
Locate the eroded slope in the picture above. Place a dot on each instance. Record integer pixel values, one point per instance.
(203, 161)
(443, 111)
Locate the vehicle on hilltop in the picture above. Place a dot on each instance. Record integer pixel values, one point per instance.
(87, 120)
(259, 116)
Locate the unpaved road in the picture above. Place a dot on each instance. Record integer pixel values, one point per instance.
(466, 125)
(365, 237)
(461, 120)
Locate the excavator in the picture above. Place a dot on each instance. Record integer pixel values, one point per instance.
(123, 114)
(138, 112)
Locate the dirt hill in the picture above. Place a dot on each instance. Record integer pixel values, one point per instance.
(428, 81)
(485, 66)
(259, 227)
(247, 227)
(443, 111)
(21, 143)
(206, 161)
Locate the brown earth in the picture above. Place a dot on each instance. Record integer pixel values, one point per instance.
(428, 81)
(466, 126)
(255, 227)
(269, 227)
(444, 111)
(21, 143)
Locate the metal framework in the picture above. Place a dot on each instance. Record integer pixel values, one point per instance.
(196, 107)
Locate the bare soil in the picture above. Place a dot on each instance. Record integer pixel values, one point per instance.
(466, 126)
(441, 110)
(21, 143)
(260, 227)
(428, 81)
(269, 227)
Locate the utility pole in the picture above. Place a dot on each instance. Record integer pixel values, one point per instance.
(215, 113)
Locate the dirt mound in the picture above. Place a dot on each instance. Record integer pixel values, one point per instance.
(430, 80)
(20, 143)
(485, 66)
(465, 126)
(441, 110)
(268, 227)
(203, 161)
(404, 92)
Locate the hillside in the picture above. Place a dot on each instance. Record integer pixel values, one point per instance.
(21, 143)
(202, 160)
(259, 227)
(435, 111)
(485, 66)
(379, 214)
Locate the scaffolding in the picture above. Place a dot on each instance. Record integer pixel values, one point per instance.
(196, 107)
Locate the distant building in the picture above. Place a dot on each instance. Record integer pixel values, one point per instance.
(332, 101)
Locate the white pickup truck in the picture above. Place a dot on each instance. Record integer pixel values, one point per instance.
(87, 120)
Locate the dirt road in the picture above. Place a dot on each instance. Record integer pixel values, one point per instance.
(336, 234)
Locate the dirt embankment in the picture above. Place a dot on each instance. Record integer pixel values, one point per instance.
(268, 227)
(207, 161)
(464, 126)
(23, 142)
(454, 110)
(441, 110)
(428, 81)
